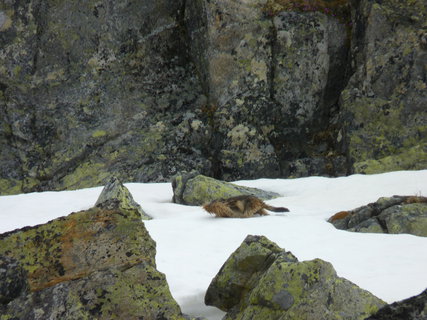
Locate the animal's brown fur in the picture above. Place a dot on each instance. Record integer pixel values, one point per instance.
(240, 207)
(340, 215)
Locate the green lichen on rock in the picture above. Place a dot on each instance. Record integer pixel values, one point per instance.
(89, 90)
(301, 289)
(83, 87)
(409, 218)
(116, 195)
(98, 263)
(413, 158)
(85, 175)
(196, 189)
(63, 248)
(262, 281)
(239, 274)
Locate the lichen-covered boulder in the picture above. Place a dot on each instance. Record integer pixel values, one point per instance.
(397, 214)
(116, 195)
(13, 279)
(196, 189)
(262, 281)
(414, 308)
(383, 105)
(93, 264)
(242, 270)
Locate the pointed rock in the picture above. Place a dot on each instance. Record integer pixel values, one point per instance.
(115, 195)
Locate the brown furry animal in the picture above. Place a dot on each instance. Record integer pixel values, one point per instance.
(240, 207)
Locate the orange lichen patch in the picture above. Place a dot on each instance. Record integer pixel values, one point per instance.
(340, 215)
(75, 246)
(416, 199)
(40, 286)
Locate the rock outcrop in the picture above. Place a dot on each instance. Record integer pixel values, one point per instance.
(93, 264)
(236, 90)
(94, 89)
(196, 189)
(398, 214)
(414, 308)
(262, 281)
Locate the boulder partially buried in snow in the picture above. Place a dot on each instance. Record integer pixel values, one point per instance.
(262, 281)
(116, 196)
(397, 214)
(196, 189)
(93, 264)
(414, 308)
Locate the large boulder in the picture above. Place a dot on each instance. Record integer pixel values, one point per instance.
(262, 281)
(383, 105)
(397, 214)
(196, 189)
(93, 264)
(414, 308)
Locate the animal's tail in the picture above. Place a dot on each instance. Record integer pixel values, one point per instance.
(276, 209)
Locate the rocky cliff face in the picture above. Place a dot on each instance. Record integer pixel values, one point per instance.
(94, 87)
(384, 104)
(241, 89)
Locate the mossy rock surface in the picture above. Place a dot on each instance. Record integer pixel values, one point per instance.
(262, 281)
(93, 264)
(195, 189)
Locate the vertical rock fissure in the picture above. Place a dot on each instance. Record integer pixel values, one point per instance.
(11, 139)
(273, 60)
(271, 75)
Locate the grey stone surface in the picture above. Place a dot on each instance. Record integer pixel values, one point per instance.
(115, 195)
(414, 308)
(383, 105)
(13, 280)
(142, 90)
(397, 214)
